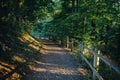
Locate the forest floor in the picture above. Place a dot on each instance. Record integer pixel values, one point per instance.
(27, 58)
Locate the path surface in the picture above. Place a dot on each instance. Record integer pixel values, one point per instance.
(56, 64)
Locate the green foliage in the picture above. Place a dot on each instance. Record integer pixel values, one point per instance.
(108, 73)
(19, 16)
(96, 23)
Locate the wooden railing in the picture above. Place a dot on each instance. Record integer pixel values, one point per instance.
(97, 57)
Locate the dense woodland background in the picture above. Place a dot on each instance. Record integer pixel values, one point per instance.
(94, 22)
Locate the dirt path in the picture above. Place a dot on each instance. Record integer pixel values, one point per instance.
(56, 64)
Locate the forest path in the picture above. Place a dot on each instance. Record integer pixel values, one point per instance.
(56, 63)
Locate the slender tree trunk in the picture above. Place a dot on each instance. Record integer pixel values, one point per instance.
(77, 5)
(73, 5)
(84, 23)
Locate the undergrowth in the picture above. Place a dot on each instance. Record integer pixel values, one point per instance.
(19, 53)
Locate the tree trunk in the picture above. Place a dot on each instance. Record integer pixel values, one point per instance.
(77, 5)
(73, 5)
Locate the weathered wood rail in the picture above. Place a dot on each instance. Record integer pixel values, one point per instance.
(97, 57)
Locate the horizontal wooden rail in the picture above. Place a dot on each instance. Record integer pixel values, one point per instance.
(117, 69)
(114, 67)
(96, 73)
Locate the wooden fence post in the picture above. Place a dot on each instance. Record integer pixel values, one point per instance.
(4, 47)
(98, 59)
(67, 41)
(81, 50)
(81, 47)
(96, 62)
(72, 44)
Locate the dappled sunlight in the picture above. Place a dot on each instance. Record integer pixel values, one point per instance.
(6, 64)
(7, 48)
(53, 68)
(28, 38)
(3, 67)
(27, 49)
(31, 41)
(54, 63)
(22, 53)
(7, 69)
(18, 59)
(37, 69)
(15, 76)
(83, 71)
(21, 39)
(87, 53)
(12, 71)
(34, 46)
(65, 71)
(38, 62)
(52, 49)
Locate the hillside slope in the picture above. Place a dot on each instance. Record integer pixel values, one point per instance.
(17, 53)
